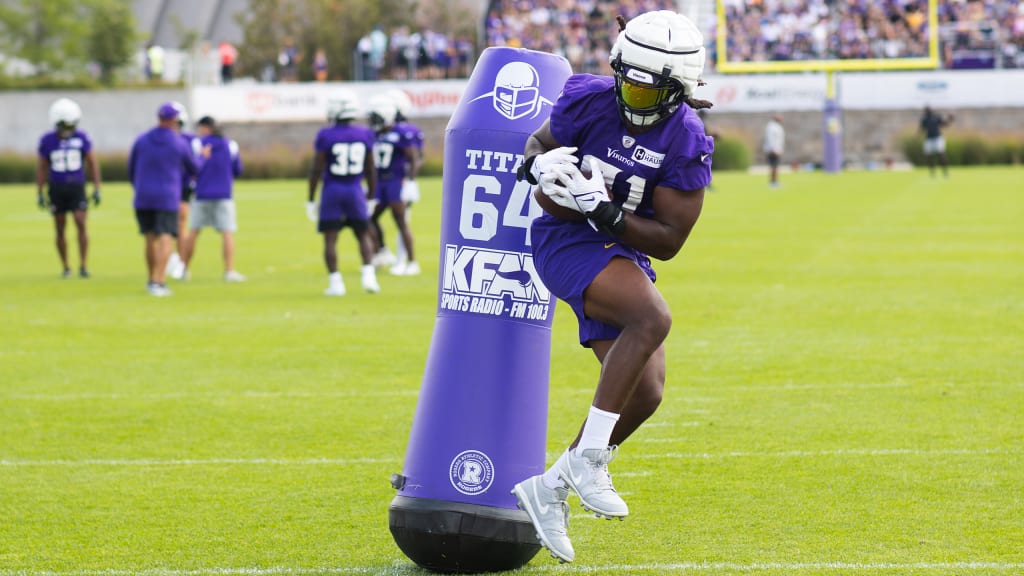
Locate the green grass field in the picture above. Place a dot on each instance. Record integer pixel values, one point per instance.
(845, 394)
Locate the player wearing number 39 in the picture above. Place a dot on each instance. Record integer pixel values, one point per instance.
(64, 155)
(344, 157)
(623, 161)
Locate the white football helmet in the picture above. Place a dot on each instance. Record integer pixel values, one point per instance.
(402, 102)
(343, 105)
(182, 113)
(383, 112)
(65, 111)
(657, 60)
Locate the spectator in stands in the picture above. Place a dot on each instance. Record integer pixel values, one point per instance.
(774, 146)
(932, 124)
(154, 62)
(228, 56)
(320, 65)
(288, 59)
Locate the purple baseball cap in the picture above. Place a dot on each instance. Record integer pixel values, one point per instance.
(167, 111)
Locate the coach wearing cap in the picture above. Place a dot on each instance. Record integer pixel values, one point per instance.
(158, 163)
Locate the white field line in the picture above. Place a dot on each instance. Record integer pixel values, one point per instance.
(537, 567)
(375, 461)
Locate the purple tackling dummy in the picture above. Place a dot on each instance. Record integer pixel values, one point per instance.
(481, 419)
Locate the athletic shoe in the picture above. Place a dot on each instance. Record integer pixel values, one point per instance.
(383, 257)
(370, 279)
(178, 271)
(233, 276)
(173, 262)
(398, 269)
(335, 289)
(549, 513)
(158, 290)
(83, 273)
(588, 477)
(67, 273)
(411, 269)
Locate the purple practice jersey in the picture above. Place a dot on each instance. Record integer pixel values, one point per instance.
(345, 147)
(675, 153)
(217, 174)
(159, 162)
(196, 146)
(66, 156)
(411, 132)
(391, 154)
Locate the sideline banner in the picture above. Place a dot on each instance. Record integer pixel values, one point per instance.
(945, 88)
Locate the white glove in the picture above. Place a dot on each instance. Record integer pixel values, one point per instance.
(585, 193)
(410, 191)
(553, 184)
(371, 206)
(312, 211)
(541, 163)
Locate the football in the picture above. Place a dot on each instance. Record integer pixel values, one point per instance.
(555, 210)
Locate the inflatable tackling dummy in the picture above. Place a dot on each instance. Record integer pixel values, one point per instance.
(481, 421)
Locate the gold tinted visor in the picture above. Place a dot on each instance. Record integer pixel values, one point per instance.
(640, 97)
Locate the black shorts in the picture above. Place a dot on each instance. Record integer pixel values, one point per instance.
(187, 191)
(773, 159)
(358, 226)
(66, 197)
(157, 221)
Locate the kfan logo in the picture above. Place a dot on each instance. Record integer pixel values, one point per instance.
(493, 274)
(516, 92)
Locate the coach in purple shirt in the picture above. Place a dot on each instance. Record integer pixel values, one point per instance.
(159, 162)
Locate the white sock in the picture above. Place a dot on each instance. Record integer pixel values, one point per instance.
(368, 270)
(597, 431)
(334, 278)
(550, 478)
(402, 253)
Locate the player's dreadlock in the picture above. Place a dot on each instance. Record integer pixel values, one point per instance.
(695, 103)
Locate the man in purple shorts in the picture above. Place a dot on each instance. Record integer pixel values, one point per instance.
(159, 161)
(638, 136)
(65, 153)
(344, 157)
(397, 160)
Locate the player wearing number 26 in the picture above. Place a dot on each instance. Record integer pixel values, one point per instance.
(629, 155)
(65, 153)
(344, 157)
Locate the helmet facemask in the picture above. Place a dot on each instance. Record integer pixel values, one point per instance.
(645, 97)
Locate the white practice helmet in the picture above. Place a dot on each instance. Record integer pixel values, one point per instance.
(65, 111)
(343, 105)
(402, 102)
(657, 60)
(182, 113)
(383, 111)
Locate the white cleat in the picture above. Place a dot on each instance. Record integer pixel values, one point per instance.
(549, 513)
(173, 263)
(588, 477)
(411, 269)
(233, 276)
(158, 290)
(369, 280)
(383, 257)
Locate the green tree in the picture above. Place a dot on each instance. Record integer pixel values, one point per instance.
(50, 35)
(112, 37)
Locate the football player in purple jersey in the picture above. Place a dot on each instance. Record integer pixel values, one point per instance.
(65, 155)
(159, 162)
(344, 157)
(176, 266)
(644, 164)
(410, 187)
(397, 159)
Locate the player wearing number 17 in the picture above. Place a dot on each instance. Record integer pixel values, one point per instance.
(344, 157)
(648, 160)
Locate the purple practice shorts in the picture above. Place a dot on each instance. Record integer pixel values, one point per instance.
(342, 206)
(389, 191)
(568, 256)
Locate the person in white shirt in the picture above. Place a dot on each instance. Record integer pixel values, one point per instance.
(774, 145)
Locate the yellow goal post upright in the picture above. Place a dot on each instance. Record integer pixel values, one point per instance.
(832, 114)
